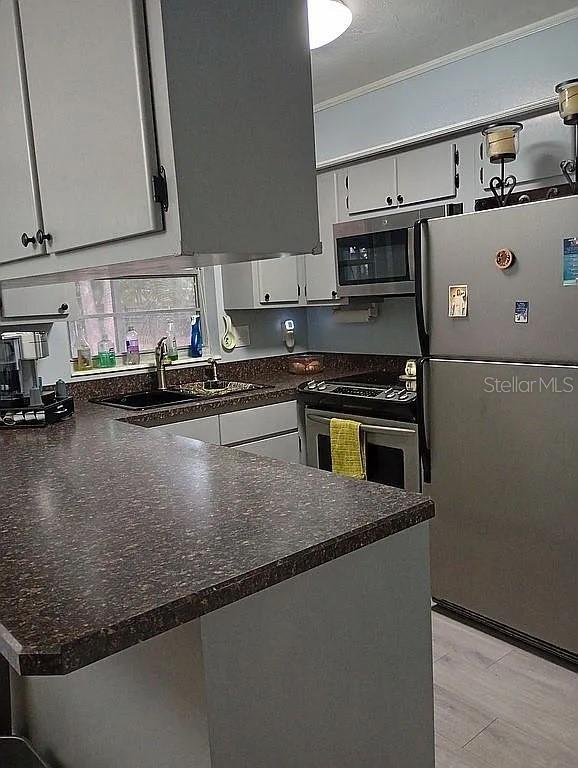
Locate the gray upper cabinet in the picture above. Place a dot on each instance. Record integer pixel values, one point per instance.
(89, 86)
(372, 186)
(118, 88)
(18, 190)
(320, 269)
(426, 174)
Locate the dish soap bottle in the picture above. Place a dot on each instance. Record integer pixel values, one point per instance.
(172, 349)
(83, 352)
(132, 347)
(196, 348)
(106, 353)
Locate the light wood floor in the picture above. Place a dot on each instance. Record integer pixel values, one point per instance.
(497, 706)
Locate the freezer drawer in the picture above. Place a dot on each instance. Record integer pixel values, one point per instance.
(461, 250)
(504, 542)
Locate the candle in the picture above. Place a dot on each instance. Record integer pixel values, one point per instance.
(502, 142)
(568, 101)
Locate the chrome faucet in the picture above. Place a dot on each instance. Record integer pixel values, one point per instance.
(214, 376)
(161, 360)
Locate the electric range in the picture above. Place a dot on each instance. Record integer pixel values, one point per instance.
(376, 393)
(384, 407)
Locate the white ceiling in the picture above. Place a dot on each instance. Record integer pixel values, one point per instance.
(389, 36)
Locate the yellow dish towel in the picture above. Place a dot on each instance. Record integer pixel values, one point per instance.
(347, 448)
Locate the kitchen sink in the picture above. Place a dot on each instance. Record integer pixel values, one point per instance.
(140, 401)
(187, 393)
(219, 388)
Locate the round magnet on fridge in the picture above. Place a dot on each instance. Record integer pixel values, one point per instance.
(504, 258)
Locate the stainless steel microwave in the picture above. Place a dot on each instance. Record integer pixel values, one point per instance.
(375, 257)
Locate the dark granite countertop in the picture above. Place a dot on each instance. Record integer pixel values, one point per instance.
(277, 389)
(110, 535)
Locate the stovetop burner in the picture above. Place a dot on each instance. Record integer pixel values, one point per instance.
(378, 392)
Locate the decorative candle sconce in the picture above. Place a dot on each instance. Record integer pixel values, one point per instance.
(502, 144)
(568, 106)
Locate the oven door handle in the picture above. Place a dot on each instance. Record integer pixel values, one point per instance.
(365, 427)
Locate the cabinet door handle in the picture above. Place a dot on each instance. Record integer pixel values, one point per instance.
(400, 199)
(334, 294)
(267, 297)
(26, 241)
(63, 309)
(43, 237)
(389, 200)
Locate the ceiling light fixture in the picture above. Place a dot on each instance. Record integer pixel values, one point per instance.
(328, 19)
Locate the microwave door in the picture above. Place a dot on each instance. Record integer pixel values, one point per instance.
(377, 263)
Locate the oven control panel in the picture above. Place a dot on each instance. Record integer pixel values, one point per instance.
(393, 394)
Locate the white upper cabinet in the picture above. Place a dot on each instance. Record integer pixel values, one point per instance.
(89, 86)
(117, 89)
(20, 214)
(410, 178)
(372, 186)
(321, 278)
(279, 281)
(38, 303)
(426, 174)
(262, 283)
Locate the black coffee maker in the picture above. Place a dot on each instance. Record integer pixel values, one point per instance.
(23, 400)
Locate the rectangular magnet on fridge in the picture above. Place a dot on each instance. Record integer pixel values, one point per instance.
(458, 301)
(521, 311)
(570, 261)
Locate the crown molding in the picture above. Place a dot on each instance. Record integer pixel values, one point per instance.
(522, 112)
(450, 58)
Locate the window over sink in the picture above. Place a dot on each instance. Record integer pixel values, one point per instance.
(107, 309)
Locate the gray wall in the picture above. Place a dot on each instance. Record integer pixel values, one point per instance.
(264, 324)
(394, 332)
(492, 81)
(266, 335)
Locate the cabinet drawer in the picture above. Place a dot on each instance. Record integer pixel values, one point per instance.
(240, 426)
(205, 429)
(284, 447)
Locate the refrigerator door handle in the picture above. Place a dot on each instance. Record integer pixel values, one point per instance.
(423, 437)
(419, 292)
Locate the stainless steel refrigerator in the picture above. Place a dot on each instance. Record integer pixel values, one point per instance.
(499, 424)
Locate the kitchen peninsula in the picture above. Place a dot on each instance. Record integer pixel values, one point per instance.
(165, 602)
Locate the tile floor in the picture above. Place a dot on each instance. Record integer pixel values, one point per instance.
(497, 706)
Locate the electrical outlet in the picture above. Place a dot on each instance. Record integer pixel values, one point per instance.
(243, 336)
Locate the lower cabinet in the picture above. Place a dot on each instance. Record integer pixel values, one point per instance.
(269, 430)
(254, 423)
(206, 429)
(284, 447)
